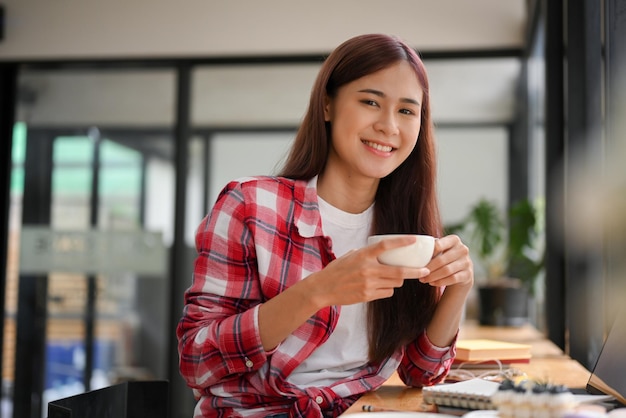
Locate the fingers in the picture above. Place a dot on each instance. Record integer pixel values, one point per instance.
(451, 264)
(443, 244)
(391, 243)
(357, 276)
(457, 272)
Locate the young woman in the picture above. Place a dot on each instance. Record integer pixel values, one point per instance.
(290, 313)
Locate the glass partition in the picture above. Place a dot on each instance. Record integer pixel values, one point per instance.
(110, 201)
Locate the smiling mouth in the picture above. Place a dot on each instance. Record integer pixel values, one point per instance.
(383, 148)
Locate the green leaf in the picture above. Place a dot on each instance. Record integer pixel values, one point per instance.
(487, 227)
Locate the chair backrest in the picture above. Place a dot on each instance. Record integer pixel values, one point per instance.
(136, 399)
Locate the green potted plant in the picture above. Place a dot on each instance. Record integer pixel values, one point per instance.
(509, 255)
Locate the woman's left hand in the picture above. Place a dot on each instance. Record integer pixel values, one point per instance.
(451, 264)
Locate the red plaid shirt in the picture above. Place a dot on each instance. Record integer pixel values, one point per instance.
(263, 235)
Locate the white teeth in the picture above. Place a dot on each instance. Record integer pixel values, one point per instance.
(383, 148)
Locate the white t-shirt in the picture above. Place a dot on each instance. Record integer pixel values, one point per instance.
(345, 351)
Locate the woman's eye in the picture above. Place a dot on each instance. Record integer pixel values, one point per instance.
(370, 102)
(407, 111)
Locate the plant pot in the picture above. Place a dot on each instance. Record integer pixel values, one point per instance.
(503, 305)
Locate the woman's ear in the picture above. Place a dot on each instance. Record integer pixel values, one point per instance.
(327, 103)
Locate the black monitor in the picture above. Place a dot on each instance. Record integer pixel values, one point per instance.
(136, 399)
(608, 373)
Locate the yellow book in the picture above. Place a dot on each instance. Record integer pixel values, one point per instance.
(483, 349)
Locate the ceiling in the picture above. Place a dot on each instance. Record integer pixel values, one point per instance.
(73, 29)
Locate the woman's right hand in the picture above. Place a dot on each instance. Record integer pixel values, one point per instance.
(358, 276)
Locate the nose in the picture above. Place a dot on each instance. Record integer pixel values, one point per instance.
(387, 124)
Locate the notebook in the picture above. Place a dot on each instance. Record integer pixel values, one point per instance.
(468, 394)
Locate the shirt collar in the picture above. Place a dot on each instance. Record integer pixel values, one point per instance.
(308, 221)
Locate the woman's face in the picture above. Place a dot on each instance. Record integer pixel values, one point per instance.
(375, 121)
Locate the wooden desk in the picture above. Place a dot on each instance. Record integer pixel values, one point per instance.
(548, 363)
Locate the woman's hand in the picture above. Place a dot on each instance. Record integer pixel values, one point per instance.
(358, 276)
(451, 267)
(451, 264)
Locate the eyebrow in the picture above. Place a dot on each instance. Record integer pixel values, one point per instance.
(383, 95)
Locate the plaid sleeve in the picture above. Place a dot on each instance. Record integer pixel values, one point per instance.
(218, 333)
(425, 364)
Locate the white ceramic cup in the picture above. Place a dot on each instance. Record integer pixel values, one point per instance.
(415, 255)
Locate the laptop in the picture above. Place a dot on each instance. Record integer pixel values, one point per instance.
(608, 374)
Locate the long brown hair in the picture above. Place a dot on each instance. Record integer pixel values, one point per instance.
(406, 200)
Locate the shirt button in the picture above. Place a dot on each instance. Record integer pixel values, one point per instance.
(319, 400)
(249, 363)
